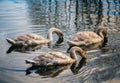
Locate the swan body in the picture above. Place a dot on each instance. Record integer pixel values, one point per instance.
(53, 71)
(85, 38)
(57, 58)
(33, 39)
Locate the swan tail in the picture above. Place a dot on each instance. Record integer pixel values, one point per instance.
(30, 61)
(11, 41)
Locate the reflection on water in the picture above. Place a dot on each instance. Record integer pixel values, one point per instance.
(23, 49)
(37, 16)
(75, 13)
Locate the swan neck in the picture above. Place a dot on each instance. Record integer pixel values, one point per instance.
(101, 35)
(73, 53)
(58, 32)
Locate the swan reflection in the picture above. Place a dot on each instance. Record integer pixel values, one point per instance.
(23, 49)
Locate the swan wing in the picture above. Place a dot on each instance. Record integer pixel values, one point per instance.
(31, 39)
(87, 37)
(29, 36)
(52, 58)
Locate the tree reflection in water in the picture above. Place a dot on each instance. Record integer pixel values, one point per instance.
(79, 14)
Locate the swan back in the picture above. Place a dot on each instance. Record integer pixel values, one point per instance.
(51, 58)
(32, 39)
(87, 36)
(84, 38)
(27, 40)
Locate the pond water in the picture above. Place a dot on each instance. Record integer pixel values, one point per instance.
(37, 16)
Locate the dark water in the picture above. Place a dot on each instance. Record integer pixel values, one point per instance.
(37, 16)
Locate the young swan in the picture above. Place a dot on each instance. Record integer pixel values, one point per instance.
(33, 39)
(86, 38)
(57, 58)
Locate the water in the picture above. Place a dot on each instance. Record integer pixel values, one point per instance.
(71, 16)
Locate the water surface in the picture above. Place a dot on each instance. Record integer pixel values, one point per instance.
(71, 16)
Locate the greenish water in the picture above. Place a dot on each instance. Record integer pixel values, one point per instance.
(37, 16)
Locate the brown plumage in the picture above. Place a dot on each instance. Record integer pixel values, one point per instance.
(85, 38)
(57, 58)
(33, 39)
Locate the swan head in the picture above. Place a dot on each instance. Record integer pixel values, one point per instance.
(102, 32)
(60, 39)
